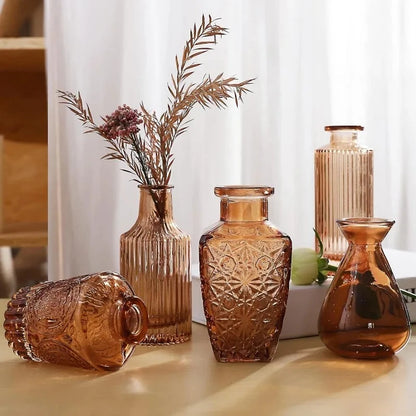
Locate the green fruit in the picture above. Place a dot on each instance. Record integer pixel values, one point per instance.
(304, 266)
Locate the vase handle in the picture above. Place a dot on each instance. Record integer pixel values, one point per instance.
(135, 320)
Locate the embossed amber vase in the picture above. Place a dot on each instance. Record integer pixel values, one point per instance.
(245, 268)
(343, 186)
(155, 259)
(91, 321)
(363, 314)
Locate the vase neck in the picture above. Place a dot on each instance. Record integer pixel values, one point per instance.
(155, 204)
(365, 231)
(244, 209)
(343, 134)
(244, 203)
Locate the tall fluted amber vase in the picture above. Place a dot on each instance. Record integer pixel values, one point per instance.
(343, 186)
(155, 259)
(245, 267)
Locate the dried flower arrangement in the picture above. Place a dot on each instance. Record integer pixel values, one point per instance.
(149, 156)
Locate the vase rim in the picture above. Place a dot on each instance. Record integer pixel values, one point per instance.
(366, 221)
(244, 190)
(157, 187)
(344, 127)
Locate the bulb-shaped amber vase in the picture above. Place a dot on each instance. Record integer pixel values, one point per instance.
(245, 268)
(363, 314)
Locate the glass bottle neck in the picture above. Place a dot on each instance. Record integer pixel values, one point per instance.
(244, 209)
(367, 233)
(155, 204)
(343, 136)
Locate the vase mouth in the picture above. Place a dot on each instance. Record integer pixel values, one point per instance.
(243, 191)
(344, 127)
(366, 221)
(155, 187)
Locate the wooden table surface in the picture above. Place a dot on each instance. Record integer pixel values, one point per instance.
(304, 379)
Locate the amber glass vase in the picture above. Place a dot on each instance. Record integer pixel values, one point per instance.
(155, 259)
(363, 314)
(245, 267)
(91, 321)
(343, 186)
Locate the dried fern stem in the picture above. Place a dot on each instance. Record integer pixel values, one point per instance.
(148, 156)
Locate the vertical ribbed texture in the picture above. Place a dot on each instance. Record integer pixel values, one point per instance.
(343, 188)
(155, 259)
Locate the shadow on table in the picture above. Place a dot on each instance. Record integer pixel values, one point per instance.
(178, 380)
(296, 376)
(319, 373)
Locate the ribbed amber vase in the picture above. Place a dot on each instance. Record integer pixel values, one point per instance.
(343, 186)
(245, 267)
(155, 259)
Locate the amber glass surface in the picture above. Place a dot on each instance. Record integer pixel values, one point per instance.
(90, 321)
(155, 259)
(363, 314)
(245, 268)
(343, 186)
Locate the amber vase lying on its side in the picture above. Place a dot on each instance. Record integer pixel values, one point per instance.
(245, 268)
(363, 314)
(91, 321)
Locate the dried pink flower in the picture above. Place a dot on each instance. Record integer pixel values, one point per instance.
(148, 154)
(122, 123)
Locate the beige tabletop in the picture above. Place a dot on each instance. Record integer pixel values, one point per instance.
(304, 379)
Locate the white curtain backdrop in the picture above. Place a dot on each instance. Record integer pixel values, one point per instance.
(317, 62)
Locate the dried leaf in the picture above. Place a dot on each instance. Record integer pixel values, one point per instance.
(148, 156)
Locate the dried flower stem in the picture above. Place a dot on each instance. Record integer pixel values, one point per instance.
(149, 158)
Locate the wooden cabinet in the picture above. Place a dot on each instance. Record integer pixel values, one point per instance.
(23, 129)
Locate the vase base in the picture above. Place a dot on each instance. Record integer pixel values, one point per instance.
(163, 339)
(167, 336)
(176, 333)
(363, 349)
(334, 256)
(263, 355)
(244, 360)
(360, 344)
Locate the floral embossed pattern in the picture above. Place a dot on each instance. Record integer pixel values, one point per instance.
(245, 270)
(90, 321)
